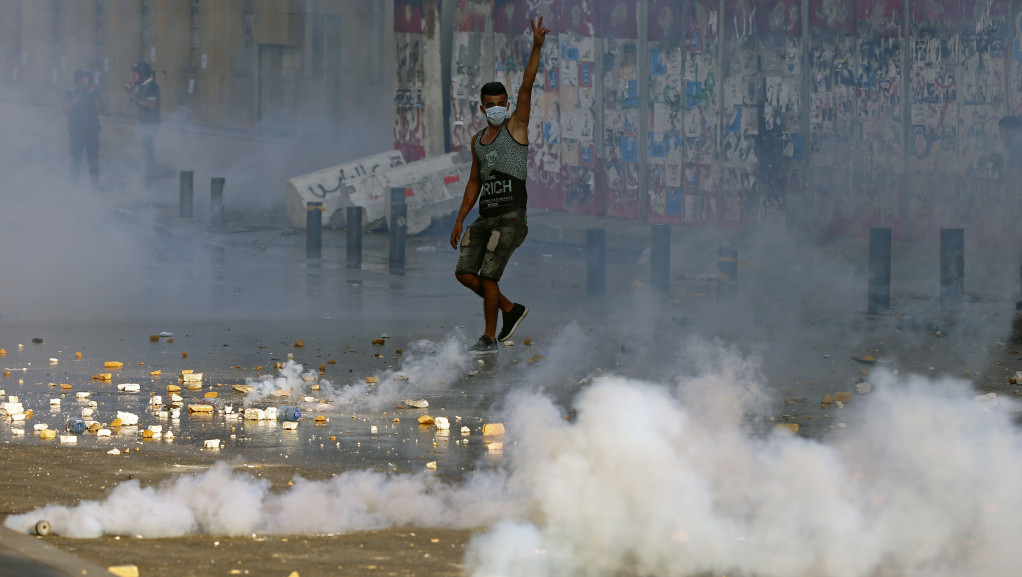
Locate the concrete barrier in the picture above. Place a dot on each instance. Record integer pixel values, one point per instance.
(327, 186)
(433, 188)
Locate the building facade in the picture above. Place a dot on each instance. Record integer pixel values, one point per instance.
(254, 66)
(835, 115)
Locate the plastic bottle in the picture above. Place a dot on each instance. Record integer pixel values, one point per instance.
(76, 425)
(288, 414)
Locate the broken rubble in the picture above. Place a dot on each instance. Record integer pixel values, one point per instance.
(493, 429)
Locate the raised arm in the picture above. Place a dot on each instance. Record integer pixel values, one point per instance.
(519, 122)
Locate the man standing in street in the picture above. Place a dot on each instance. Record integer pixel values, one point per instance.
(82, 106)
(145, 93)
(499, 171)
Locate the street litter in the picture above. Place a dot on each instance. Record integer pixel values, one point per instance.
(244, 389)
(103, 433)
(493, 429)
(155, 400)
(123, 570)
(200, 408)
(863, 388)
(54, 402)
(53, 361)
(82, 395)
(431, 465)
(113, 365)
(127, 419)
(987, 401)
(46, 434)
(11, 408)
(189, 377)
(786, 428)
(426, 421)
(442, 423)
(211, 444)
(129, 387)
(40, 426)
(466, 431)
(418, 404)
(69, 439)
(290, 425)
(254, 414)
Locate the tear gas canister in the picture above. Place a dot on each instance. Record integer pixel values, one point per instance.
(288, 414)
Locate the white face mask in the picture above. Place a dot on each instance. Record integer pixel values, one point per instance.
(496, 115)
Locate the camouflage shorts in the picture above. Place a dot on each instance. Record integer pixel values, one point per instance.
(489, 243)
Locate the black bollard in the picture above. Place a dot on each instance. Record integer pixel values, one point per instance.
(596, 261)
(660, 258)
(952, 268)
(313, 229)
(398, 225)
(353, 214)
(216, 201)
(727, 272)
(879, 288)
(187, 183)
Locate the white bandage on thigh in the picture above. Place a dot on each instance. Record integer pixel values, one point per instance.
(494, 239)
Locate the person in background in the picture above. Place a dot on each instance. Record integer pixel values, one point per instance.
(145, 94)
(500, 154)
(82, 107)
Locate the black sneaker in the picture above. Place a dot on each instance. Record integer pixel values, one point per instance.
(484, 346)
(512, 319)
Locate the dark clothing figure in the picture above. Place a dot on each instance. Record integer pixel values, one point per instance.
(82, 106)
(145, 93)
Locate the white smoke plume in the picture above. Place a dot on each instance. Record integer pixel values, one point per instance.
(222, 502)
(648, 481)
(291, 381)
(427, 368)
(669, 479)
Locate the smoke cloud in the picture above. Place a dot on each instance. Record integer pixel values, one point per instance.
(426, 368)
(665, 478)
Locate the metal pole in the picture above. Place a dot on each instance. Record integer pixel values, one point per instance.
(952, 268)
(660, 258)
(353, 232)
(879, 287)
(596, 261)
(398, 224)
(313, 229)
(187, 182)
(727, 272)
(216, 200)
(642, 85)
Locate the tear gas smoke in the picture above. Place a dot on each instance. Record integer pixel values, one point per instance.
(427, 368)
(664, 479)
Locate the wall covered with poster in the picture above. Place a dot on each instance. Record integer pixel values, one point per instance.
(418, 117)
(725, 113)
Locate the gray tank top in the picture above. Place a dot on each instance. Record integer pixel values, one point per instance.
(503, 169)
